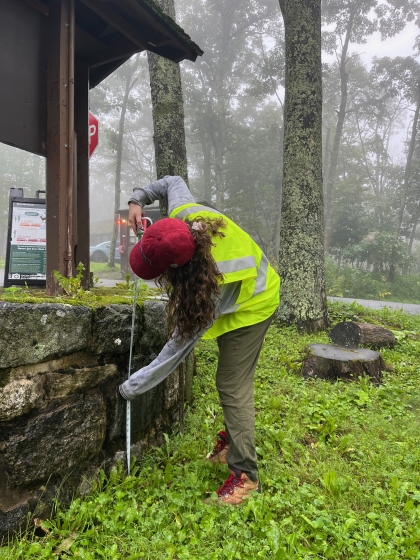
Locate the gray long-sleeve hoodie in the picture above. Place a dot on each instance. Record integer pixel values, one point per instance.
(172, 354)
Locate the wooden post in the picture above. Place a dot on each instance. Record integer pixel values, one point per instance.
(57, 141)
(81, 122)
(71, 146)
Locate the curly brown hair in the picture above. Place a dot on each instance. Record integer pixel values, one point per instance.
(193, 287)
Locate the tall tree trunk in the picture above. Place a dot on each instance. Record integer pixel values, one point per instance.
(120, 141)
(217, 131)
(206, 149)
(416, 219)
(274, 247)
(325, 156)
(407, 171)
(302, 266)
(278, 189)
(344, 78)
(168, 113)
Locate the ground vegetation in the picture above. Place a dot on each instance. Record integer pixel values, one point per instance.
(339, 470)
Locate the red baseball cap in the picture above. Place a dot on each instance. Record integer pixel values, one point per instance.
(166, 243)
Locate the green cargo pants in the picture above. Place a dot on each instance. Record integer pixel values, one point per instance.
(239, 351)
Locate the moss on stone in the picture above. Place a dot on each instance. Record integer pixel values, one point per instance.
(94, 298)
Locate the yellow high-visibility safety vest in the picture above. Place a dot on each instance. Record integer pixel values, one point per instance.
(239, 258)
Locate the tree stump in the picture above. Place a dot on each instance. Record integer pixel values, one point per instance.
(326, 361)
(360, 334)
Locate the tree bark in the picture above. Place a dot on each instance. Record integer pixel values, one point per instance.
(278, 189)
(205, 146)
(353, 334)
(275, 222)
(414, 228)
(344, 79)
(168, 113)
(325, 155)
(407, 171)
(120, 142)
(301, 258)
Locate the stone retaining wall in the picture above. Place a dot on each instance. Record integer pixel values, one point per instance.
(61, 418)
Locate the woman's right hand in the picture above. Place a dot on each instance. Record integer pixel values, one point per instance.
(134, 216)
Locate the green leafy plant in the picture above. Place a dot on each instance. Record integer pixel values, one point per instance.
(13, 290)
(128, 284)
(71, 286)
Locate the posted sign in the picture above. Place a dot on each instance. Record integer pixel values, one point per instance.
(27, 243)
(93, 133)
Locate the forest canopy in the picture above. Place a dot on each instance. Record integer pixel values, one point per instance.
(233, 99)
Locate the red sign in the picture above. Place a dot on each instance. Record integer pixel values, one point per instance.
(93, 133)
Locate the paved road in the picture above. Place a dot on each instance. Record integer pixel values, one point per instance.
(373, 304)
(108, 283)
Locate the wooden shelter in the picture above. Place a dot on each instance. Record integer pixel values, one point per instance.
(51, 53)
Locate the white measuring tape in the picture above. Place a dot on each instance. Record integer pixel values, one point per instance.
(145, 222)
(128, 409)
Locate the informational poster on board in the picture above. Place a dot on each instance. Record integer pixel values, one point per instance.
(28, 243)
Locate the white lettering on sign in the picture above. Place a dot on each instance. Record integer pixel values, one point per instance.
(92, 131)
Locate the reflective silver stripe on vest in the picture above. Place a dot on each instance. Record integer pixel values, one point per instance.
(234, 265)
(231, 309)
(261, 282)
(193, 210)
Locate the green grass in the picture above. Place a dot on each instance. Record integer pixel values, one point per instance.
(339, 466)
(102, 270)
(2, 263)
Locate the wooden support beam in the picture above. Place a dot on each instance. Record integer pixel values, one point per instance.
(57, 141)
(98, 74)
(159, 34)
(116, 21)
(81, 123)
(87, 45)
(119, 49)
(38, 5)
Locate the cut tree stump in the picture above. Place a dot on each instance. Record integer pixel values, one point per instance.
(326, 361)
(353, 334)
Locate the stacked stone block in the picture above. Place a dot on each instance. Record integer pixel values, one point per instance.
(61, 418)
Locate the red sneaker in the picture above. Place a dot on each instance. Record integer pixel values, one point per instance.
(218, 455)
(235, 489)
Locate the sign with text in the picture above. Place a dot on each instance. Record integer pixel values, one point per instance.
(27, 243)
(93, 133)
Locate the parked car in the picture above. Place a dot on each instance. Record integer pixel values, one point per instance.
(100, 253)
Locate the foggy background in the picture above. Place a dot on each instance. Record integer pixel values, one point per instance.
(233, 98)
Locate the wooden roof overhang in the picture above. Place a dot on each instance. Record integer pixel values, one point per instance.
(51, 53)
(107, 33)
